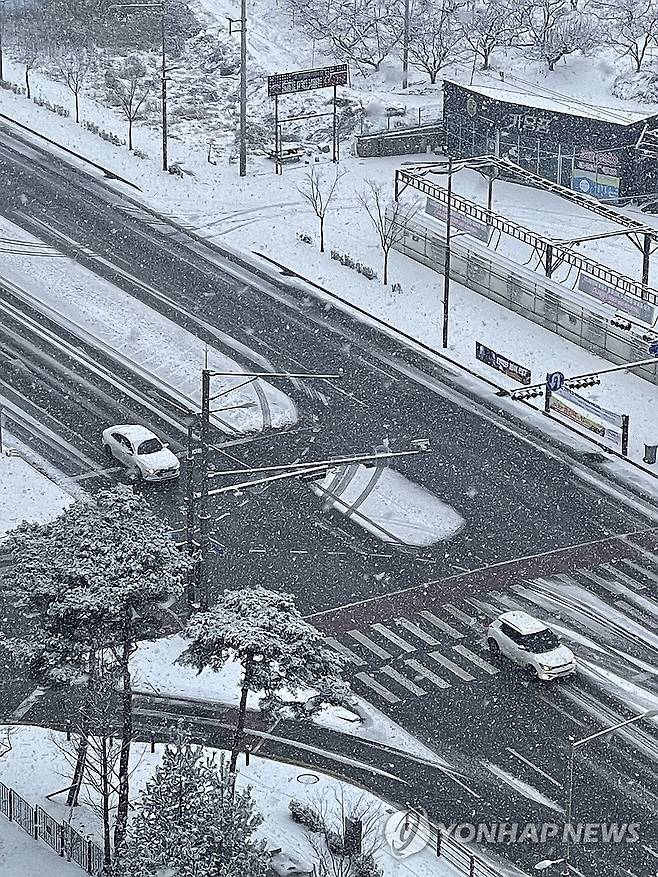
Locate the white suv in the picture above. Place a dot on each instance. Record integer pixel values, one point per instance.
(528, 642)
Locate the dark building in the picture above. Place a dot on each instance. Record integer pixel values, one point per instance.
(611, 154)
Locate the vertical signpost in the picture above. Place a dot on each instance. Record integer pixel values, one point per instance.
(280, 84)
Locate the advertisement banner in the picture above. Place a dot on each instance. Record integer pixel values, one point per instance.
(502, 364)
(467, 224)
(634, 307)
(605, 424)
(597, 174)
(306, 80)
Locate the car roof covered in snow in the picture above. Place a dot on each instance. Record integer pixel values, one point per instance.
(134, 432)
(526, 95)
(522, 622)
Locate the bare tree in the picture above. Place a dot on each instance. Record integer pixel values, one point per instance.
(485, 24)
(631, 25)
(29, 52)
(389, 219)
(72, 69)
(319, 192)
(128, 87)
(435, 36)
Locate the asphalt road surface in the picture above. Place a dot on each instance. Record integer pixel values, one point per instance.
(517, 498)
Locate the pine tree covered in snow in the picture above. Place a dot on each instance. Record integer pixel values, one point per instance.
(87, 580)
(188, 824)
(282, 656)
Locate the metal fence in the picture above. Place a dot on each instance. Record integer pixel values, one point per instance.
(401, 141)
(59, 836)
(540, 299)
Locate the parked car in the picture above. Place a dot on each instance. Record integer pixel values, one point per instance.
(140, 450)
(530, 643)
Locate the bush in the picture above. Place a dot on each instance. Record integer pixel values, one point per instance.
(306, 815)
(54, 108)
(139, 154)
(11, 86)
(304, 237)
(112, 138)
(348, 261)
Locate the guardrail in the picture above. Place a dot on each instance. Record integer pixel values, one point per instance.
(450, 850)
(62, 838)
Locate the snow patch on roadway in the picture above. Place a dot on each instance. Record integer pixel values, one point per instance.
(523, 788)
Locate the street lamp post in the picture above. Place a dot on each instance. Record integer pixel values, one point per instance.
(446, 265)
(577, 744)
(2, 36)
(405, 44)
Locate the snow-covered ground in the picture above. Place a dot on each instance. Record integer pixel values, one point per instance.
(22, 856)
(26, 494)
(36, 767)
(395, 509)
(155, 670)
(140, 336)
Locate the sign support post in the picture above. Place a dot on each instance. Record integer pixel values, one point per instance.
(624, 435)
(334, 149)
(446, 265)
(277, 150)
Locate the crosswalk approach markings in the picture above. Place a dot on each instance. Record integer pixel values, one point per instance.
(440, 624)
(393, 637)
(370, 644)
(450, 665)
(377, 688)
(403, 681)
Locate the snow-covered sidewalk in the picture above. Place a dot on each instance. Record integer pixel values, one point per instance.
(26, 494)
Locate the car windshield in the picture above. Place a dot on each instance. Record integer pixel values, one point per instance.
(150, 446)
(540, 642)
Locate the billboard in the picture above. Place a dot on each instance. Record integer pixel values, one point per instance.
(502, 364)
(630, 305)
(596, 174)
(306, 80)
(467, 224)
(601, 421)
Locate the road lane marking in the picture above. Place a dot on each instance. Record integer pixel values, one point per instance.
(623, 577)
(344, 651)
(649, 573)
(403, 681)
(376, 687)
(393, 637)
(26, 705)
(534, 767)
(459, 615)
(369, 644)
(426, 673)
(635, 613)
(650, 850)
(417, 631)
(441, 625)
(476, 659)
(449, 665)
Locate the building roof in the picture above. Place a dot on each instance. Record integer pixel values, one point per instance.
(554, 102)
(523, 622)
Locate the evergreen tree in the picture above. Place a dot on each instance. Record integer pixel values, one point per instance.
(280, 653)
(87, 580)
(187, 824)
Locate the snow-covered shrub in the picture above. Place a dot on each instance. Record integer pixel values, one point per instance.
(306, 238)
(367, 271)
(306, 815)
(54, 108)
(11, 86)
(138, 153)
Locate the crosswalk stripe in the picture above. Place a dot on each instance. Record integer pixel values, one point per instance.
(376, 687)
(344, 651)
(649, 573)
(426, 673)
(403, 681)
(417, 631)
(491, 610)
(442, 625)
(370, 644)
(476, 659)
(393, 637)
(623, 577)
(449, 665)
(459, 615)
(635, 613)
(647, 552)
(591, 576)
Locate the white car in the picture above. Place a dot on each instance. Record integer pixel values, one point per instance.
(140, 450)
(528, 642)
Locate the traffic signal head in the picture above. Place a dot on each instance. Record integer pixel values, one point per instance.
(579, 383)
(621, 323)
(520, 395)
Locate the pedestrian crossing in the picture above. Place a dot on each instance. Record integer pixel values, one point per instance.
(433, 651)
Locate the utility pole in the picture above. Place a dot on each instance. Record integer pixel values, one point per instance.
(446, 266)
(204, 517)
(405, 44)
(2, 35)
(165, 159)
(190, 511)
(243, 83)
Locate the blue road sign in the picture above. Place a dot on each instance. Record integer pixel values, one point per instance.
(653, 349)
(554, 381)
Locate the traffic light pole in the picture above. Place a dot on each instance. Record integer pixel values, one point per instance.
(204, 517)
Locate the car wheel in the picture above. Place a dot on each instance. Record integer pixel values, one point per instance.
(532, 671)
(108, 452)
(137, 474)
(494, 648)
